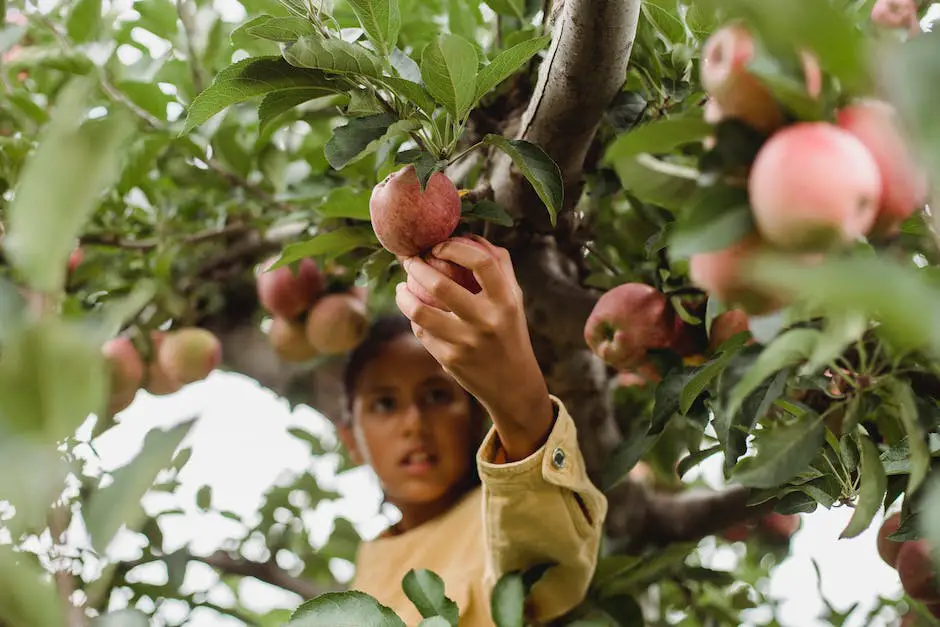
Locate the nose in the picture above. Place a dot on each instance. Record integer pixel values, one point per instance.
(413, 419)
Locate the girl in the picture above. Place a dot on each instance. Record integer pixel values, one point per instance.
(419, 391)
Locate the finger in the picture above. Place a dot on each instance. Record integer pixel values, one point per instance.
(478, 259)
(440, 350)
(441, 324)
(505, 260)
(452, 295)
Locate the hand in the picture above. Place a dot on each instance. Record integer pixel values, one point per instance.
(483, 341)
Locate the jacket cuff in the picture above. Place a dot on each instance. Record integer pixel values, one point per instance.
(558, 461)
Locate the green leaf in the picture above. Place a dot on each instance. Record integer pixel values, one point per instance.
(449, 70)
(718, 217)
(666, 399)
(358, 137)
(278, 102)
(841, 330)
(658, 182)
(510, 8)
(627, 454)
(411, 91)
(782, 453)
(333, 55)
(692, 460)
(28, 595)
(118, 504)
(506, 63)
(539, 169)
(425, 164)
(160, 17)
(707, 373)
(426, 590)
(249, 78)
(363, 102)
(874, 485)
(435, 621)
(84, 20)
(330, 244)
(52, 376)
(788, 349)
(121, 618)
(204, 497)
(507, 602)
(341, 609)
(345, 202)
(33, 477)
(381, 20)
(148, 96)
(490, 212)
(902, 397)
(282, 29)
(662, 136)
(892, 293)
(43, 219)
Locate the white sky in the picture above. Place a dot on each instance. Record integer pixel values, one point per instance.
(241, 446)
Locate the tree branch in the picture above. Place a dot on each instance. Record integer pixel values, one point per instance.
(110, 239)
(268, 572)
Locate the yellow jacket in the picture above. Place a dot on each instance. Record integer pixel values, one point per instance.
(537, 510)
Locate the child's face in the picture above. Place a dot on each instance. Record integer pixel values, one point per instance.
(412, 423)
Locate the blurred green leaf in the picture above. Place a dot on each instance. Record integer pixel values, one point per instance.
(121, 618)
(28, 595)
(282, 29)
(718, 217)
(903, 400)
(160, 17)
(345, 202)
(511, 8)
(52, 376)
(44, 220)
(118, 505)
(84, 20)
(661, 136)
(329, 244)
(491, 212)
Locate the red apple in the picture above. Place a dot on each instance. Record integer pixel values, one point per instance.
(721, 273)
(157, 381)
(408, 221)
(916, 569)
(188, 355)
(126, 366)
(289, 340)
(904, 184)
(627, 321)
(337, 323)
(285, 294)
(889, 549)
(814, 186)
(725, 326)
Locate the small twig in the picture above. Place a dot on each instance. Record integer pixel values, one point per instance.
(65, 580)
(182, 9)
(464, 154)
(107, 239)
(602, 259)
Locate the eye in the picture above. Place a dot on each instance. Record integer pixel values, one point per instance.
(383, 405)
(439, 396)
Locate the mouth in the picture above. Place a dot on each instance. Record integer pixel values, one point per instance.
(418, 462)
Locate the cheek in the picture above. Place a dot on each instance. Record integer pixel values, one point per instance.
(454, 433)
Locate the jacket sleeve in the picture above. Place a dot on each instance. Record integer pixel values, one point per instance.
(542, 509)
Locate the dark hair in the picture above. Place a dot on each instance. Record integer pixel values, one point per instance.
(383, 330)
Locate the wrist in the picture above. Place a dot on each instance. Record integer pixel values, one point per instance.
(524, 423)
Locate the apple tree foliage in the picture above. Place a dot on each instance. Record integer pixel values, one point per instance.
(182, 142)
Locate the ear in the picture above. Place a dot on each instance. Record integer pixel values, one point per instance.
(348, 439)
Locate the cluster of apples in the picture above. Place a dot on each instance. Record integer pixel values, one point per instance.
(409, 222)
(912, 559)
(307, 320)
(772, 526)
(632, 319)
(814, 186)
(178, 357)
